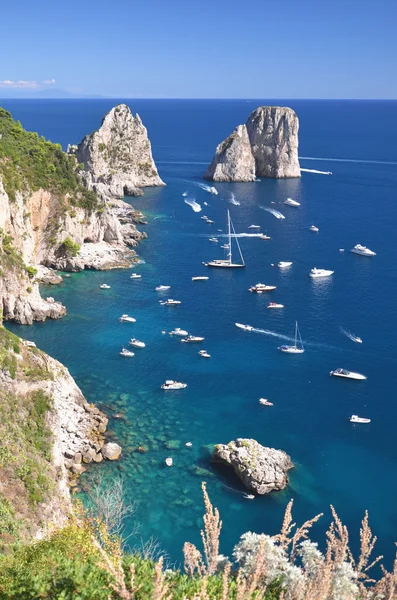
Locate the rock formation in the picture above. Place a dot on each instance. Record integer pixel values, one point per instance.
(117, 158)
(269, 139)
(260, 469)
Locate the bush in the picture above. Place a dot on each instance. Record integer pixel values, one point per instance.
(70, 248)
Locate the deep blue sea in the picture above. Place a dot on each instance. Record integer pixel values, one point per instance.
(353, 467)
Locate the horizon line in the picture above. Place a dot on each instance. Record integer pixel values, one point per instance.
(97, 97)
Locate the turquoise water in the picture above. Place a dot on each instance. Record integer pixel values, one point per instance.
(350, 466)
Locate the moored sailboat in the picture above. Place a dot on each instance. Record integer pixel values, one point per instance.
(227, 263)
(296, 348)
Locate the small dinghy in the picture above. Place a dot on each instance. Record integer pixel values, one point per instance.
(173, 385)
(170, 302)
(204, 354)
(275, 305)
(188, 444)
(135, 276)
(249, 496)
(169, 461)
(265, 237)
(265, 402)
(127, 319)
(314, 228)
(125, 352)
(162, 288)
(104, 286)
(254, 227)
(357, 419)
(136, 343)
(179, 331)
(200, 278)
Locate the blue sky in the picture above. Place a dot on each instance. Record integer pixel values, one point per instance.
(201, 48)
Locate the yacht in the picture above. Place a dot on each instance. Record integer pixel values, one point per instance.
(162, 288)
(215, 240)
(295, 349)
(259, 288)
(357, 419)
(316, 273)
(254, 227)
(192, 338)
(179, 331)
(135, 276)
(227, 262)
(347, 374)
(265, 237)
(284, 264)
(291, 202)
(363, 250)
(169, 461)
(136, 343)
(245, 327)
(125, 352)
(170, 302)
(127, 319)
(104, 286)
(265, 402)
(204, 354)
(200, 278)
(275, 305)
(314, 228)
(173, 385)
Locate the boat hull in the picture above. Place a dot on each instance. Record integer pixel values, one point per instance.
(291, 350)
(225, 265)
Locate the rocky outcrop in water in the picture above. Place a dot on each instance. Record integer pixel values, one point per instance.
(269, 139)
(117, 159)
(260, 469)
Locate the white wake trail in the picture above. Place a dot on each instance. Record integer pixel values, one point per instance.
(350, 160)
(273, 211)
(195, 205)
(351, 336)
(317, 172)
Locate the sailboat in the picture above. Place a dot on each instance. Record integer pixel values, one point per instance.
(295, 349)
(227, 263)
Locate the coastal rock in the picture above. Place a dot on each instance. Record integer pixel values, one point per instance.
(260, 469)
(272, 143)
(111, 451)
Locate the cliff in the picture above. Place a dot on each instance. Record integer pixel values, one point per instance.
(269, 140)
(117, 159)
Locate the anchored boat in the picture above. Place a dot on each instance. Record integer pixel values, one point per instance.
(227, 262)
(297, 348)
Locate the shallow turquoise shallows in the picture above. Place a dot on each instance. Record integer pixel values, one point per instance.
(351, 466)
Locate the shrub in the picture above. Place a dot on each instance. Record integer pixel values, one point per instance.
(70, 248)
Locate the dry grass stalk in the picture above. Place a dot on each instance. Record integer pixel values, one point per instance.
(260, 569)
(225, 581)
(114, 567)
(193, 560)
(367, 544)
(283, 537)
(211, 533)
(160, 588)
(337, 540)
(301, 534)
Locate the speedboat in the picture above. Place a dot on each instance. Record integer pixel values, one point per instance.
(341, 249)
(188, 444)
(192, 338)
(200, 278)
(259, 288)
(363, 250)
(179, 331)
(275, 305)
(173, 385)
(204, 218)
(265, 402)
(127, 319)
(313, 228)
(205, 203)
(104, 286)
(347, 374)
(185, 194)
(250, 496)
(291, 202)
(204, 354)
(225, 246)
(210, 222)
(125, 352)
(254, 227)
(168, 461)
(170, 302)
(162, 288)
(357, 419)
(215, 240)
(135, 276)
(244, 327)
(295, 349)
(136, 343)
(316, 273)
(265, 237)
(284, 264)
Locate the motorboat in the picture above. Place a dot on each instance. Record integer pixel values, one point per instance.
(244, 327)
(210, 222)
(104, 286)
(313, 228)
(215, 240)
(250, 496)
(200, 278)
(317, 273)
(297, 348)
(185, 194)
(204, 354)
(259, 288)
(179, 331)
(265, 237)
(66, 275)
(188, 444)
(363, 250)
(275, 305)
(173, 385)
(192, 338)
(136, 343)
(225, 246)
(162, 288)
(341, 249)
(347, 374)
(284, 264)
(204, 218)
(227, 262)
(205, 203)
(169, 461)
(125, 352)
(135, 276)
(170, 302)
(357, 419)
(291, 202)
(254, 227)
(265, 402)
(127, 319)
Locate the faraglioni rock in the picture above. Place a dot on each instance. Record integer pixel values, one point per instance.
(269, 139)
(118, 157)
(260, 469)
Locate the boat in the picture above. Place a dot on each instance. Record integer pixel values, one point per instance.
(295, 349)
(67, 275)
(162, 288)
(185, 194)
(205, 203)
(210, 222)
(316, 273)
(341, 249)
(173, 385)
(135, 276)
(136, 343)
(363, 250)
(188, 444)
(170, 302)
(265, 402)
(347, 374)
(275, 305)
(284, 264)
(204, 218)
(168, 461)
(291, 202)
(192, 338)
(204, 354)
(179, 331)
(125, 352)
(356, 339)
(265, 237)
(357, 419)
(215, 240)
(259, 288)
(227, 262)
(254, 227)
(313, 228)
(104, 286)
(127, 319)
(225, 246)
(200, 278)
(244, 327)
(250, 496)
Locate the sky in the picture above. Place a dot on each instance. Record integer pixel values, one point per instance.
(200, 48)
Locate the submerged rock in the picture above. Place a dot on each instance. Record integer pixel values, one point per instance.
(260, 469)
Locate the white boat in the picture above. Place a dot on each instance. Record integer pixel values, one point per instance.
(347, 374)
(317, 273)
(259, 288)
(244, 327)
(265, 402)
(188, 444)
(341, 249)
(135, 276)
(104, 286)
(357, 419)
(170, 302)
(168, 461)
(192, 338)
(185, 194)
(295, 349)
(356, 339)
(254, 227)
(200, 278)
(363, 250)
(275, 305)
(215, 240)
(284, 264)
(250, 496)
(204, 354)
(313, 228)
(265, 237)
(136, 343)
(173, 385)
(227, 262)
(179, 331)
(210, 222)
(291, 202)
(205, 203)
(162, 288)
(125, 352)
(204, 218)
(127, 319)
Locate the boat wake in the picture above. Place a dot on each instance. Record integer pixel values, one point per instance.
(241, 235)
(351, 336)
(273, 211)
(317, 172)
(233, 200)
(286, 338)
(207, 188)
(195, 205)
(350, 160)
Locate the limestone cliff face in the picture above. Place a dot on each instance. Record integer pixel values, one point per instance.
(118, 158)
(272, 133)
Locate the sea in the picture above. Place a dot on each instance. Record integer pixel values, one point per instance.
(352, 467)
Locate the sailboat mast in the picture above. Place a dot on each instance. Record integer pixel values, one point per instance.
(296, 332)
(229, 237)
